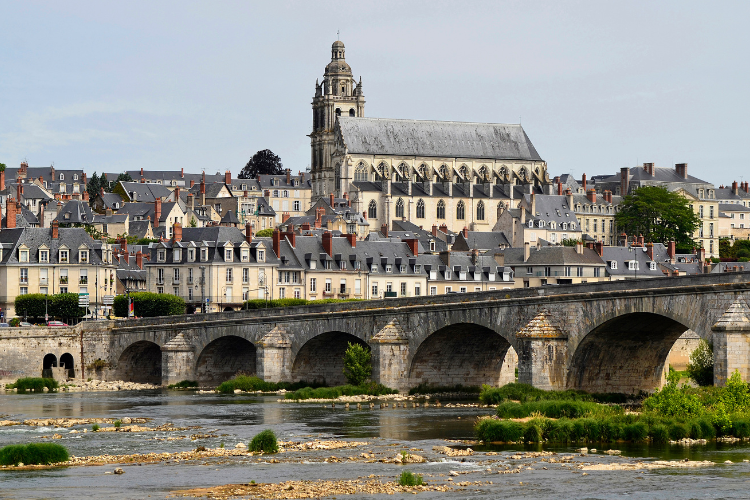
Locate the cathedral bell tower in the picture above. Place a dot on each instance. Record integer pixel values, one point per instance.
(339, 94)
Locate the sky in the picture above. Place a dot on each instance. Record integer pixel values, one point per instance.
(109, 86)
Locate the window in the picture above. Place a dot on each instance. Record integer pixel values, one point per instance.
(579, 271)
(176, 275)
(229, 275)
(433, 290)
(62, 177)
(597, 272)
(63, 278)
(460, 210)
(432, 245)
(462, 289)
(372, 210)
(567, 271)
(633, 265)
(297, 293)
(162, 255)
(160, 275)
(360, 174)
(228, 255)
(388, 268)
(24, 290)
(286, 194)
(417, 268)
(63, 256)
(417, 290)
(357, 287)
(400, 208)
(548, 271)
(613, 264)
(261, 255)
(204, 254)
(480, 210)
(43, 290)
(63, 289)
(83, 277)
(313, 285)
(176, 290)
(440, 212)
(420, 209)
(403, 289)
(447, 274)
(389, 286)
(700, 211)
(529, 270)
(245, 275)
(374, 291)
(296, 206)
(652, 266)
(43, 255)
(328, 285)
(282, 293)
(24, 276)
(448, 289)
(402, 269)
(711, 212)
(43, 276)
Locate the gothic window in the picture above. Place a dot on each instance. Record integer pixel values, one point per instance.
(403, 170)
(400, 208)
(337, 180)
(503, 172)
(441, 210)
(522, 173)
(351, 112)
(444, 172)
(480, 210)
(423, 171)
(460, 211)
(360, 174)
(383, 171)
(483, 173)
(464, 171)
(372, 210)
(500, 209)
(420, 209)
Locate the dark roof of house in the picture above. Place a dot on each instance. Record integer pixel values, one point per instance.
(393, 137)
(75, 212)
(33, 238)
(145, 192)
(139, 228)
(480, 240)
(230, 218)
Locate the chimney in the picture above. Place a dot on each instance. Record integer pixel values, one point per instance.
(384, 230)
(23, 169)
(526, 250)
(10, 213)
(569, 196)
(735, 189)
(285, 217)
(107, 211)
(434, 230)
(583, 182)
(364, 215)
(305, 226)
(143, 180)
(623, 240)
(176, 232)
(288, 177)
(141, 171)
(466, 232)
(591, 195)
(641, 241)
(671, 249)
(649, 168)
(650, 250)
(276, 242)
(444, 228)
(328, 243)
(85, 195)
(191, 201)
(624, 180)
(157, 212)
(319, 212)
(248, 232)
(19, 190)
(2, 180)
(352, 239)
(139, 259)
(579, 247)
(533, 204)
(177, 194)
(413, 245)
(445, 258)
(228, 178)
(302, 177)
(52, 172)
(55, 229)
(330, 198)
(192, 183)
(291, 237)
(182, 173)
(559, 187)
(84, 179)
(599, 247)
(702, 254)
(681, 169)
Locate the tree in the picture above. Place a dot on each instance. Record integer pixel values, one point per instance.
(263, 162)
(93, 186)
(659, 215)
(193, 222)
(2, 167)
(149, 305)
(701, 365)
(264, 233)
(357, 364)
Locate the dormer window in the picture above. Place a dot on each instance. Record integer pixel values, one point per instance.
(243, 187)
(564, 226)
(417, 269)
(633, 265)
(228, 255)
(447, 274)
(162, 255)
(572, 226)
(531, 223)
(388, 268)
(23, 255)
(64, 256)
(43, 255)
(191, 254)
(374, 268)
(62, 177)
(75, 177)
(652, 266)
(177, 255)
(342, 265)
(261, 256)
(541, 223)
(245, 255)
(553, 225)
(83, 256)
(402, 269)
(613, 264)
(204, 254)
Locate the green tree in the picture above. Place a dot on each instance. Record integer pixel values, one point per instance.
(357, 364)
(93, 186)
(659, 215)
(264, 233)
(193, 222)
(263, 162)
(570, 242)
(701, 365)
(725, 248)
(2, 167)
(149, 305)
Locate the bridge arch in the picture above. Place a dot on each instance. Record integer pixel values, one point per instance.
(625, 353)
(67, 361)
(463, 353)
(223, 358)
(321, 358)
(140, 362)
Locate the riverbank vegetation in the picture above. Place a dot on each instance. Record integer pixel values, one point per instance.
(248, 383)
(673, 413)
(33, 454)
(525, 392)
(265, 441)
(33, 384)
(366, 389)
(410, 479)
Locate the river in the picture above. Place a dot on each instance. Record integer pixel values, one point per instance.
(236, 418)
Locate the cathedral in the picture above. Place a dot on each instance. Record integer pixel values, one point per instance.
(428, 172)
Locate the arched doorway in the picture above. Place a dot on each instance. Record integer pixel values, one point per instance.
(49, 362)
(321, 359)
(66, 361)
(465, 354)
(140, 363)
(626, 354)
(223, 358)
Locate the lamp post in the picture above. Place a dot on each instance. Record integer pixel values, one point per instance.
(202, 280)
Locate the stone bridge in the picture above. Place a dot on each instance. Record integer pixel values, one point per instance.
(600, 337)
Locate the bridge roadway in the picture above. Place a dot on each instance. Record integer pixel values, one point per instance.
(603, 337)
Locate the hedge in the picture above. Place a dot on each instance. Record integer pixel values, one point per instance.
(61, 305)
(149, 305)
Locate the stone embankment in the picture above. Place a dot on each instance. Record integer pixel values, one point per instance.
(95, 385)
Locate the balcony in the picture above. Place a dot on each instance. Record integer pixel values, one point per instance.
(175, 281)
(344, 291)
(190, 280)
(329, 293)
(159, 281)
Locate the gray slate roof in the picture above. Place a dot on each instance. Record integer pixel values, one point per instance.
(75, 212)
(384, 136)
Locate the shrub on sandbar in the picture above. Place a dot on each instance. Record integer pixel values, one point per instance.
(33, 454)
(264, 441)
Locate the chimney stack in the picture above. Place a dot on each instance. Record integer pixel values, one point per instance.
(285, 217)
(192, 183)
(384, 230)
(177, 194)
(176, 232)
(352, 239)
(735, 188)
(157, 212)
(2, 180)
(434, 230)
(466, 232)
(85, 195)
(650, 250)
(649, 168)
(228, 178)
(330, 196)
(55, 228)
(276, 238)
(248, 232)
(671, 249)
(559, 187)
(599, 247)
(526, 250)
(591, 195)
(10, 213)
(569, 196)
(583, 182)
(681, 169)
(328, 243)
(624, 180)
(288, 177)
(579, 247)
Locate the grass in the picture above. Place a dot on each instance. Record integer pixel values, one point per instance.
(34, 384)
(409, 479)
(95, 427)
(425, 388)
(252, 384)
(33, 454)
(370, 389)
(554, 409)
(117, 424)
(524, 392)
(184, 384)
(264, 441)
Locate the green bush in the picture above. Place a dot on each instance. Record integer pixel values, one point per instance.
(34, 384)
(61, 305)
(149, 305)
(553, 409)
(672, 401)
(741, 427)
(678, 431)
(264, 233)
(184, 384)
(117, 424)
(409, 479)
(701, 365)
(370, 389)
(31, 305)
(249, 383)
(533, 434)
(264, 441)
(95, 427)
(33, 454)
(499, 431)
(524, 392)
(357, 364)
(635, 432)
(659, 434)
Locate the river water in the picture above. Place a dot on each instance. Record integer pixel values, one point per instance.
(237, 418)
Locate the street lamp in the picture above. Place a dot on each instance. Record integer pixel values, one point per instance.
(202, 281)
